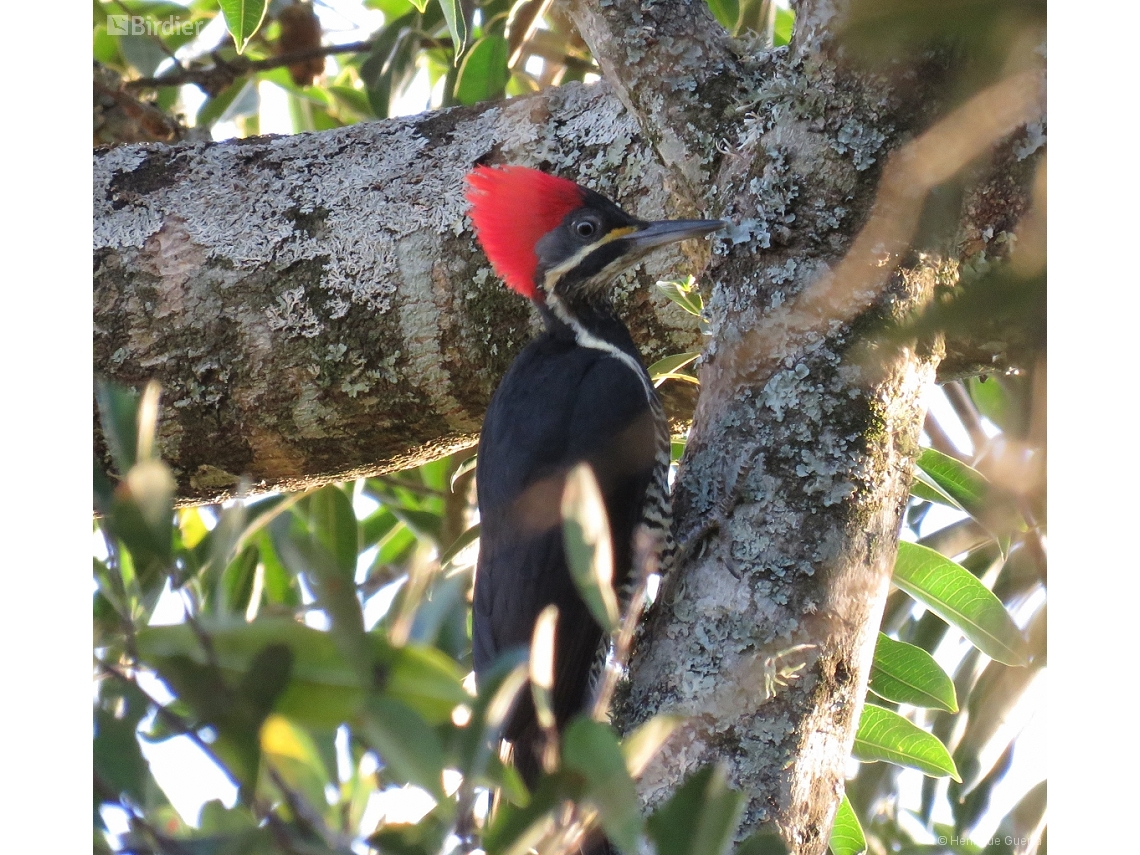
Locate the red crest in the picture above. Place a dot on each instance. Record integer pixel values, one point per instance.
(512, 207)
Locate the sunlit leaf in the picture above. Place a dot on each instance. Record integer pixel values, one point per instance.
(887, 736)
(483, 73)
(726, 12)
(643, 744)
(243, 19)
(586, 536)
(907, 674)
(456, 25)
(542, 665)
(293, 755)
(684, 293)
(953, 593)
(461, 543)
(969, 490)
(847, 836)
(785, 20)
(669, 368)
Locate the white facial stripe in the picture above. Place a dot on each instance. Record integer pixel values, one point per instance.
(586, 339)
(556, 273)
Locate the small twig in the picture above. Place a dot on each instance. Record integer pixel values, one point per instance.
(175, 721)
(213, 79)
(107, 793)
(304, 812)
(645, 563)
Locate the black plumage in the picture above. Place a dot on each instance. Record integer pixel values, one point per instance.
(578, 393)
(560, 404)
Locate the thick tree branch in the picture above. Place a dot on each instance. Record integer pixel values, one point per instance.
(671, 65)
(315, 307)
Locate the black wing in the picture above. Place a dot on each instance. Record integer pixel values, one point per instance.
(559, 405)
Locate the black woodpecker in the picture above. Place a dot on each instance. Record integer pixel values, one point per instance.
(578, 392)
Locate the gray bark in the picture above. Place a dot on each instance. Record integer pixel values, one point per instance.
(315, 307)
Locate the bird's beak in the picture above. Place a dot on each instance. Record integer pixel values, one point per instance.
(670, 231)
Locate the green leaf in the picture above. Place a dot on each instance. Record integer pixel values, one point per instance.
(586, 537)
(234, 707)
(409, 749)
(236, 585)
(700, 818)
(456, 25)
(887, 736)
(425, 524)
(591, 749)
(484, 73)
(969, 490)
(115, 749)
(305, 552)
(462, 542)
(213, 108)
(846, 834)
(684, 293)
(785, 20)
(393, 9)
(669, 368)
(243, 19)
(953, 593)
(1005, 401)
(640, 746)
(907, 674)
(294, 756)
(387, 65)
(926, 488)
(333, 524)
(118, 409)
(376, 526)
(727, 13)
(324, 689)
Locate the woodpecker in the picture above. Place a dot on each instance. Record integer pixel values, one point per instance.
(578, 392)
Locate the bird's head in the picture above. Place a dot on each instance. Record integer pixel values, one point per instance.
(549, 237)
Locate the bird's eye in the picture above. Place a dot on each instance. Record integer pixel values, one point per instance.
(584, 228)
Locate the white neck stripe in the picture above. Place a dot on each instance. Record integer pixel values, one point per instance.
(587, 339)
